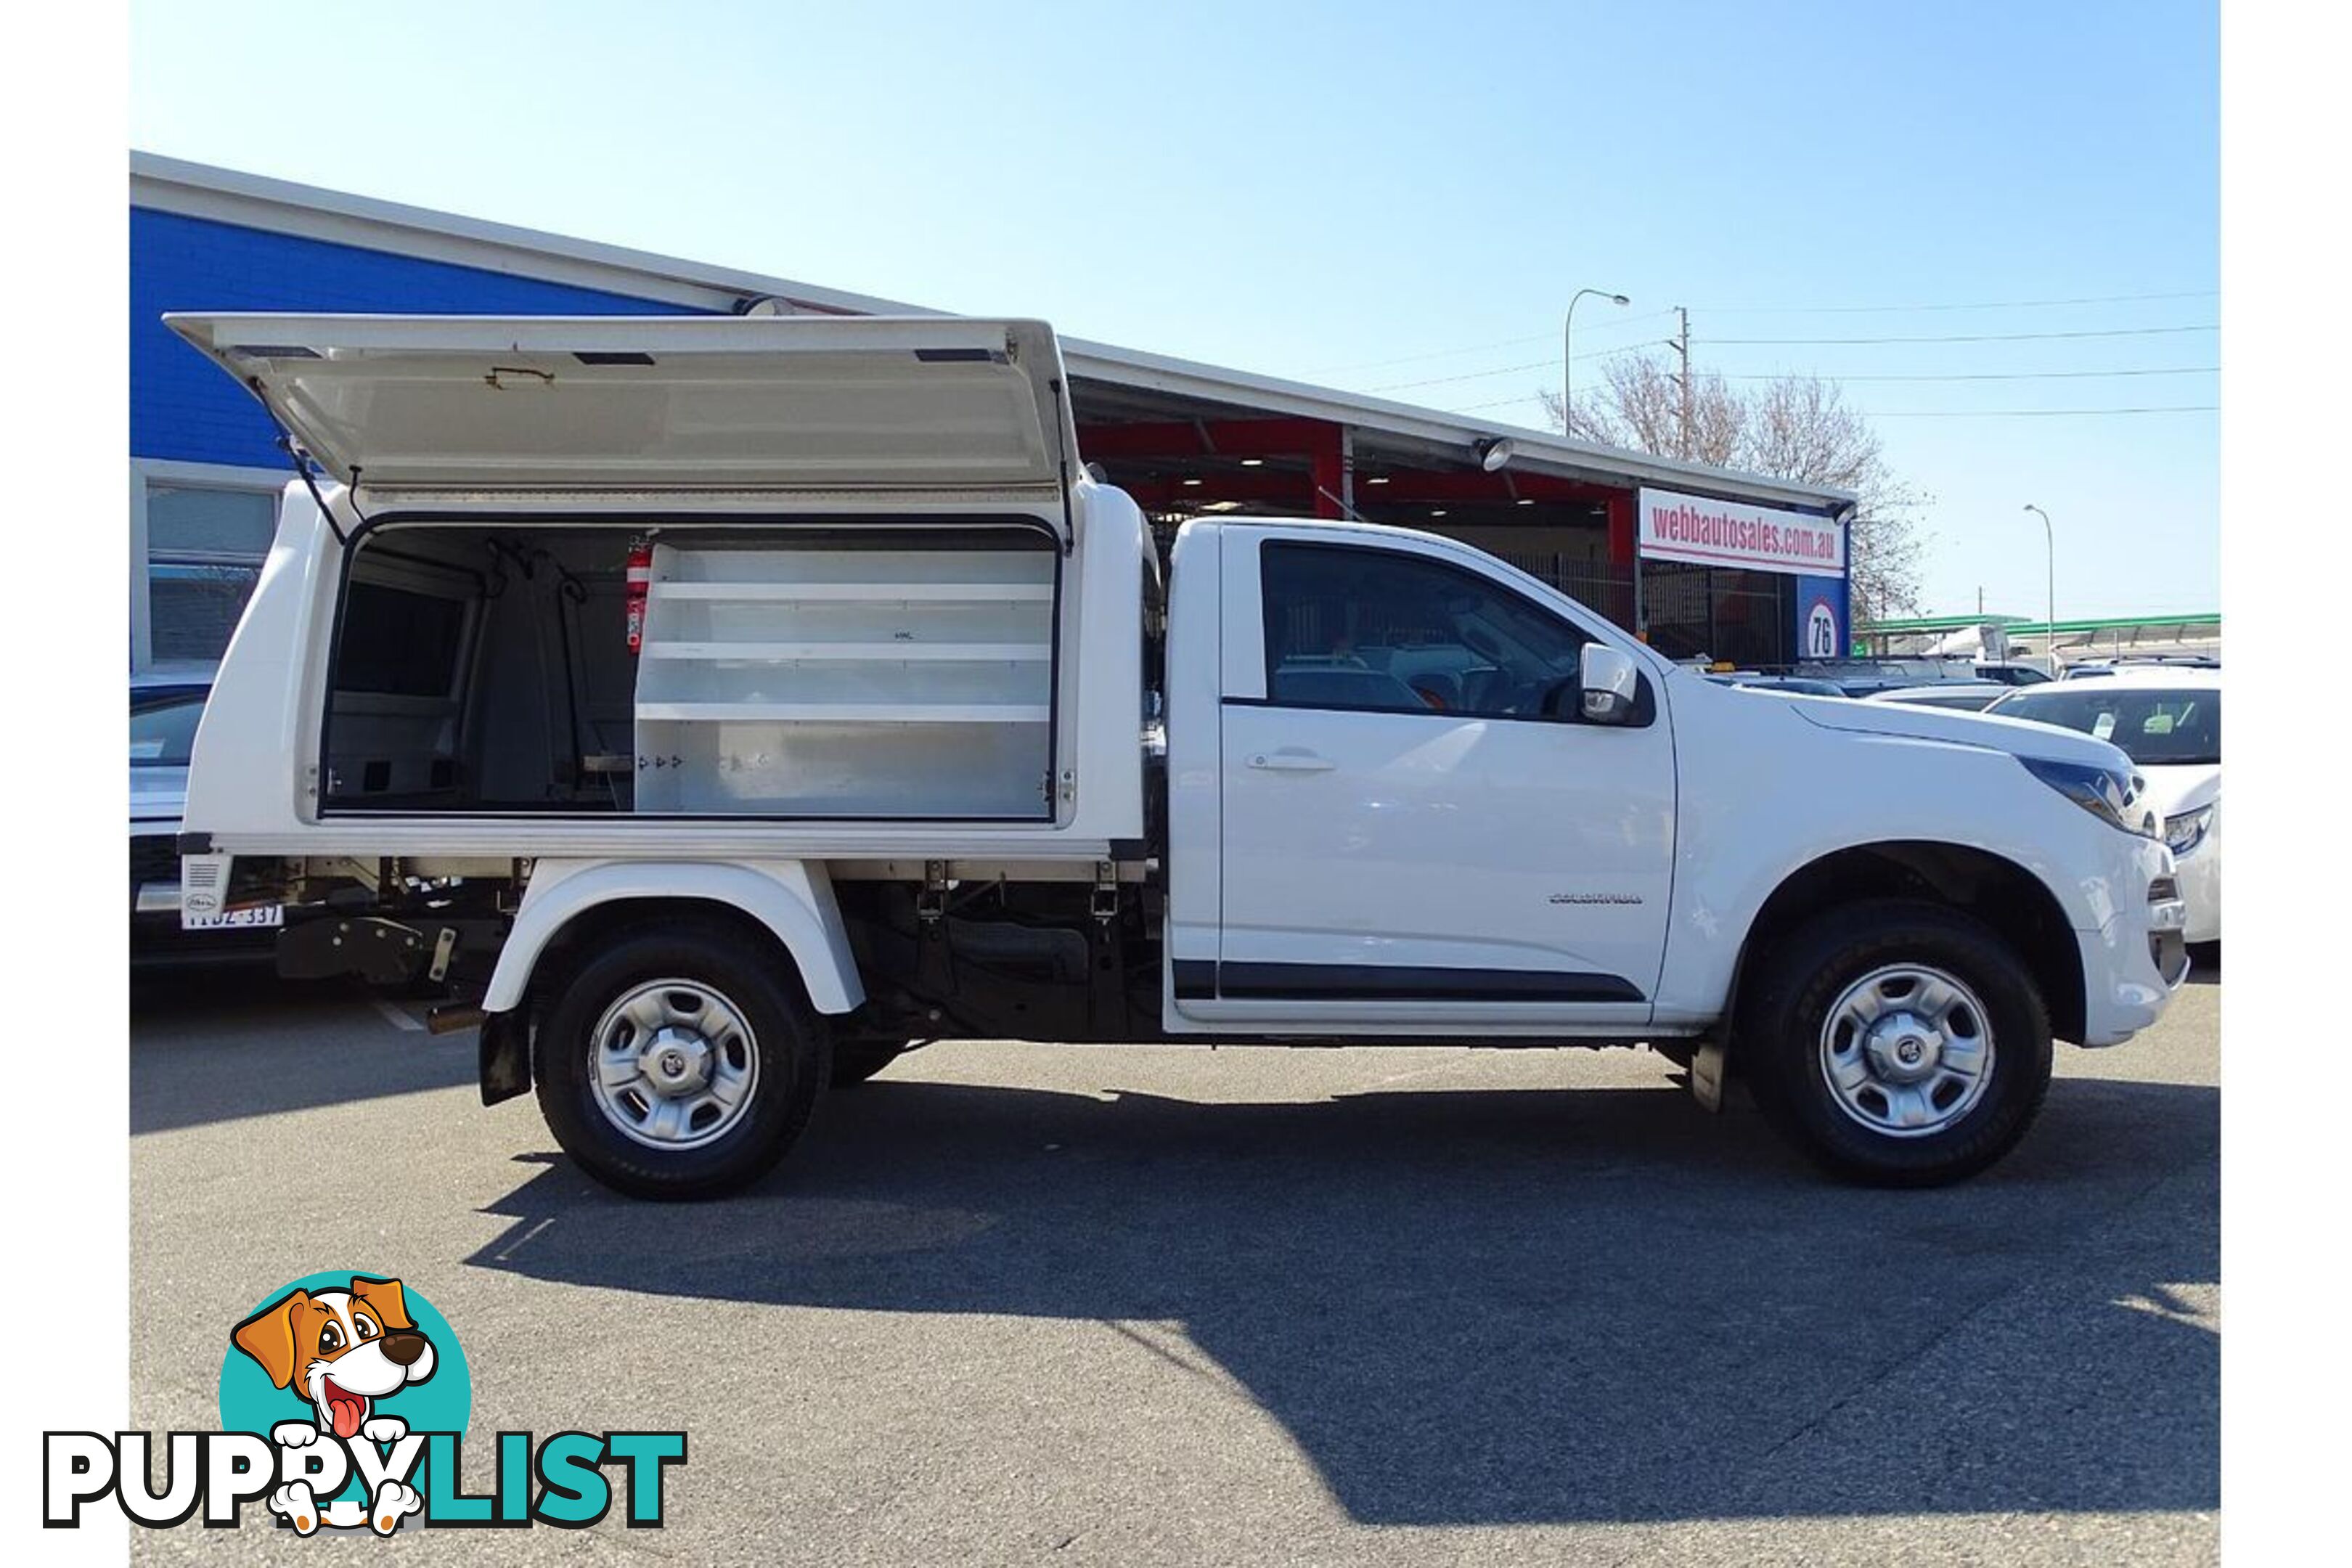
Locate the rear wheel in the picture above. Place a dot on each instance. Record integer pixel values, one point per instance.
(1897, 1043)
(677, 1063)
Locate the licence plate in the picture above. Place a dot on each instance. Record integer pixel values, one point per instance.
(262, 916)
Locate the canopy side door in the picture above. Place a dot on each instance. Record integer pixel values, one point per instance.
(405, 403)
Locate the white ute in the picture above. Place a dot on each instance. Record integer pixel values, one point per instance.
(729, 704)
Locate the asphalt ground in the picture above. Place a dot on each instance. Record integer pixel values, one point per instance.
(1167, 1305)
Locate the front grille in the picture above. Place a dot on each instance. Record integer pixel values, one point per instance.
(154, 857)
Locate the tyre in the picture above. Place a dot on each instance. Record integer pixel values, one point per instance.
(680, 1062)
(855, 1061)
(1897, 1043)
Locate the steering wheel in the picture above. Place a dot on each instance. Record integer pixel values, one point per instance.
(1527, 696)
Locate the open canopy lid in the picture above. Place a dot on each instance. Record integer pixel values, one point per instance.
(663, 402)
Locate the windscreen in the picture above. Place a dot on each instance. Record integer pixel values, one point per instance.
(163, 726)
(2156, 726)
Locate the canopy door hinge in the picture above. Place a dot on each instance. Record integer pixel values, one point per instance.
(932, 898)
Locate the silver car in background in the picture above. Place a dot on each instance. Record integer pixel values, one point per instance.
(163, 713)
(1964, 696)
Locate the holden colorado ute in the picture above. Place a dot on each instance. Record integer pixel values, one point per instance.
(724, 705)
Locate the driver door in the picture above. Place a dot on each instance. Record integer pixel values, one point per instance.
(1416, 832)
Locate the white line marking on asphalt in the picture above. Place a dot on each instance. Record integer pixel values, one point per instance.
(1452, 1064)
(398, 1017)
(508, 1251)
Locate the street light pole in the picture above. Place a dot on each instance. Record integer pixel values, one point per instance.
(1567, 356)
(2050, 628)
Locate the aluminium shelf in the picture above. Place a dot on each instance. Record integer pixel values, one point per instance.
(852, 652)
(873, 682)
(860, 593)
(846, 712)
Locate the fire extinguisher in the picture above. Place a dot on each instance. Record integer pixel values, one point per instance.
(640, 579)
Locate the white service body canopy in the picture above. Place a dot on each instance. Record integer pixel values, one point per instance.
(665, 403)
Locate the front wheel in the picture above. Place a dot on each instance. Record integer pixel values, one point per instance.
(1898, 1043)
(677, 1063)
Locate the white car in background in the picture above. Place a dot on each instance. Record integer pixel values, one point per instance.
(2168, 721)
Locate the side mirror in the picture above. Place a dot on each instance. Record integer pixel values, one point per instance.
(1612, 683)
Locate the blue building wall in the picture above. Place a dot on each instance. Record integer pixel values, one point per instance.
(183, 408)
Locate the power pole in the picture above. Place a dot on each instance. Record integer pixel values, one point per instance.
(1682, 348)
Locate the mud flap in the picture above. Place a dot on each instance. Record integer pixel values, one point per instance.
(1706, 1073)
(505, 1055)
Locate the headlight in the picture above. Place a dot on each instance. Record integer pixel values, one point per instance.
(2187, 831)
(2106, 793)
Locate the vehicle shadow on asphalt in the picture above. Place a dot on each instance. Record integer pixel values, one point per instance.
(243, 1042)
(1506, 1307)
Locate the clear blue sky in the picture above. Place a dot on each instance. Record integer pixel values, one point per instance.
(1305, 189)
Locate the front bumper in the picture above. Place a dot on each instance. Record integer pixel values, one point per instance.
(2201, 886)
(2134, 961)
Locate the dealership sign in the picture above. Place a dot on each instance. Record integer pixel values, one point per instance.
(1732, 533)
(1820, 618)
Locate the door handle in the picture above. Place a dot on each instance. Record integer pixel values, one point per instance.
(1292, 760)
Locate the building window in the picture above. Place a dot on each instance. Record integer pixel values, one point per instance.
(204, 546)
(1726, 614)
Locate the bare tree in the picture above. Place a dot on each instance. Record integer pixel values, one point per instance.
(1797, 427)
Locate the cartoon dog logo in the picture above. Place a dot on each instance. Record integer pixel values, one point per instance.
(342, 1351)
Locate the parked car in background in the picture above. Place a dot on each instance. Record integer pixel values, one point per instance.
(1869, 685)
(1798, 684)
(163, 714)
(2091, 669)
(1969, 696)
(1858, 676)
(1869, 677)
(2168, 719)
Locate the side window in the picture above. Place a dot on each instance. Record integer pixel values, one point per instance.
(1352, 627)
